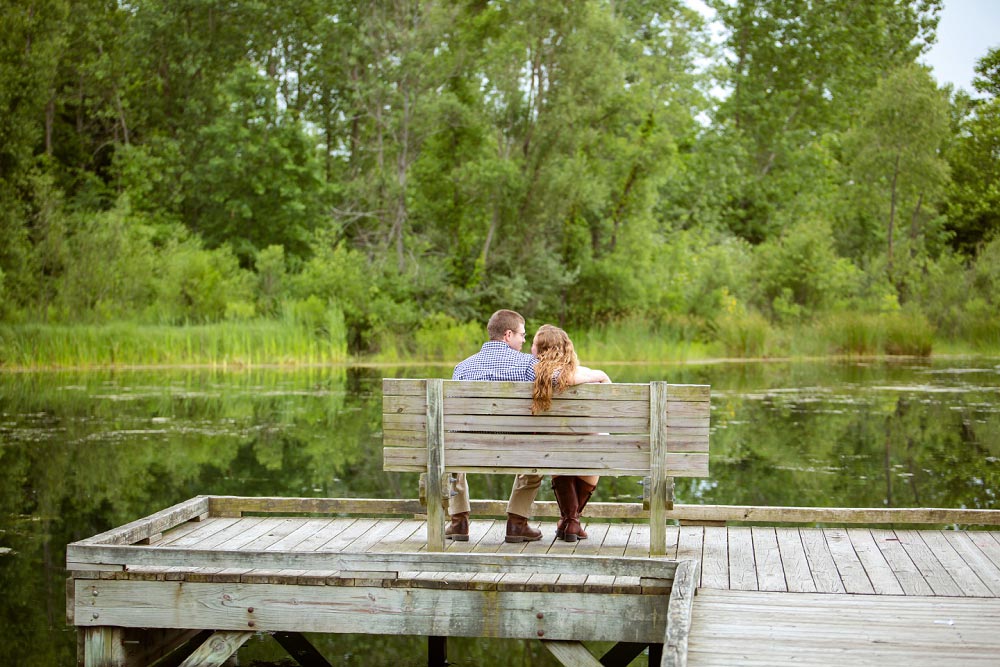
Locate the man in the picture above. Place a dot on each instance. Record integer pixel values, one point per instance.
(499, 359)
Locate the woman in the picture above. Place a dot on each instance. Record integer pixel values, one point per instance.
(558, 368)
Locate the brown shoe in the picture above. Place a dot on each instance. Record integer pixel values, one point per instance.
(518, 529)
(560, 489)
(583, 493)
(564, 487)
(458, 529)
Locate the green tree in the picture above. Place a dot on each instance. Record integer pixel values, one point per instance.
(32, 36)
(973, 204)
(796, 71)
(896, 169)
(252, 177)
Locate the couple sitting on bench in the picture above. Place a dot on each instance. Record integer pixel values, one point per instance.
(552, 366)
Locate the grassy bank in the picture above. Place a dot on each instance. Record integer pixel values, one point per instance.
(221, 344)
(288, 341)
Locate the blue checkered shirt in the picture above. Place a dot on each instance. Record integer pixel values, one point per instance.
(497, 361)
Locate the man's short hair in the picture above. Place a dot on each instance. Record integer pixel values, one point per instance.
(503, 321)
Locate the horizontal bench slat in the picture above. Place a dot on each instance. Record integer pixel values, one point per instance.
(520, 423)
(562, 406)
(638, 442)
(546, 442)
(406, 459)
(628, 460)
(527, 442)
(614, 392)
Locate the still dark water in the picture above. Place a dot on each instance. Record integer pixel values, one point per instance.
(82, 452)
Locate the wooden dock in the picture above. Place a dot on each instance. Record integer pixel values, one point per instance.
(765, 594)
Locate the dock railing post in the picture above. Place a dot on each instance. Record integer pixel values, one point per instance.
(660, 482)
(435, 464)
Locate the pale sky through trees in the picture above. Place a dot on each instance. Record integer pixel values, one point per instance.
(968, 29)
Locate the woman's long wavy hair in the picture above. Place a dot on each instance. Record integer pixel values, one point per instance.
(555, 368)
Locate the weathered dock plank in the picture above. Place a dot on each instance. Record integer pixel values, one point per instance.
(934, 573)
(960, 571)
(906, 572)
(770, 573)
(821, 564)
(880, 574)
(715, 557)
(690, 543)
(794, 562)
(776, 629)
(988, 543)
(742, 566)
(852, 571)
(985, 569)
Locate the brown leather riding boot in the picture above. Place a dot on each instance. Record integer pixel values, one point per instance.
(583, 493)
(564, 487)
(458, 529)
(561, 526)
(518, 529)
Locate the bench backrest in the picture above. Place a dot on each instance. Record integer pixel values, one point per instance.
(603, 429)
(658, 430)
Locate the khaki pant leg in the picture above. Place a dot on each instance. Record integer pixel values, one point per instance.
(460, 501)
(522, 495)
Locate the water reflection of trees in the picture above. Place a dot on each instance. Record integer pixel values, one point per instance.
(84, 452)
(887, 449)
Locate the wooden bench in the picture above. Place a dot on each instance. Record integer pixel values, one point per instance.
(655, 430)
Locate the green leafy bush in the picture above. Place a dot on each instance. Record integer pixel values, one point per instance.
(800, 272)
(196, 285)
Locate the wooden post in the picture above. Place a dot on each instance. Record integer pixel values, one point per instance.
(659, 481)
(435, 464)
(103, 647)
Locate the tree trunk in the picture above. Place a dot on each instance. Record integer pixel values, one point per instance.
(915, 218)
(50, 119)
(892, 213)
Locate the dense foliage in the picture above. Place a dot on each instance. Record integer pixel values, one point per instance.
(394, 171)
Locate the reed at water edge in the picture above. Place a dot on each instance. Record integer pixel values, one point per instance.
(288, 341)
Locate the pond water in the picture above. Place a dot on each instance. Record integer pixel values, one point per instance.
(82, 452)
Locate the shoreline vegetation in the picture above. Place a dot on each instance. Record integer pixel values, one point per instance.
(263, 343)
(330, 183)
